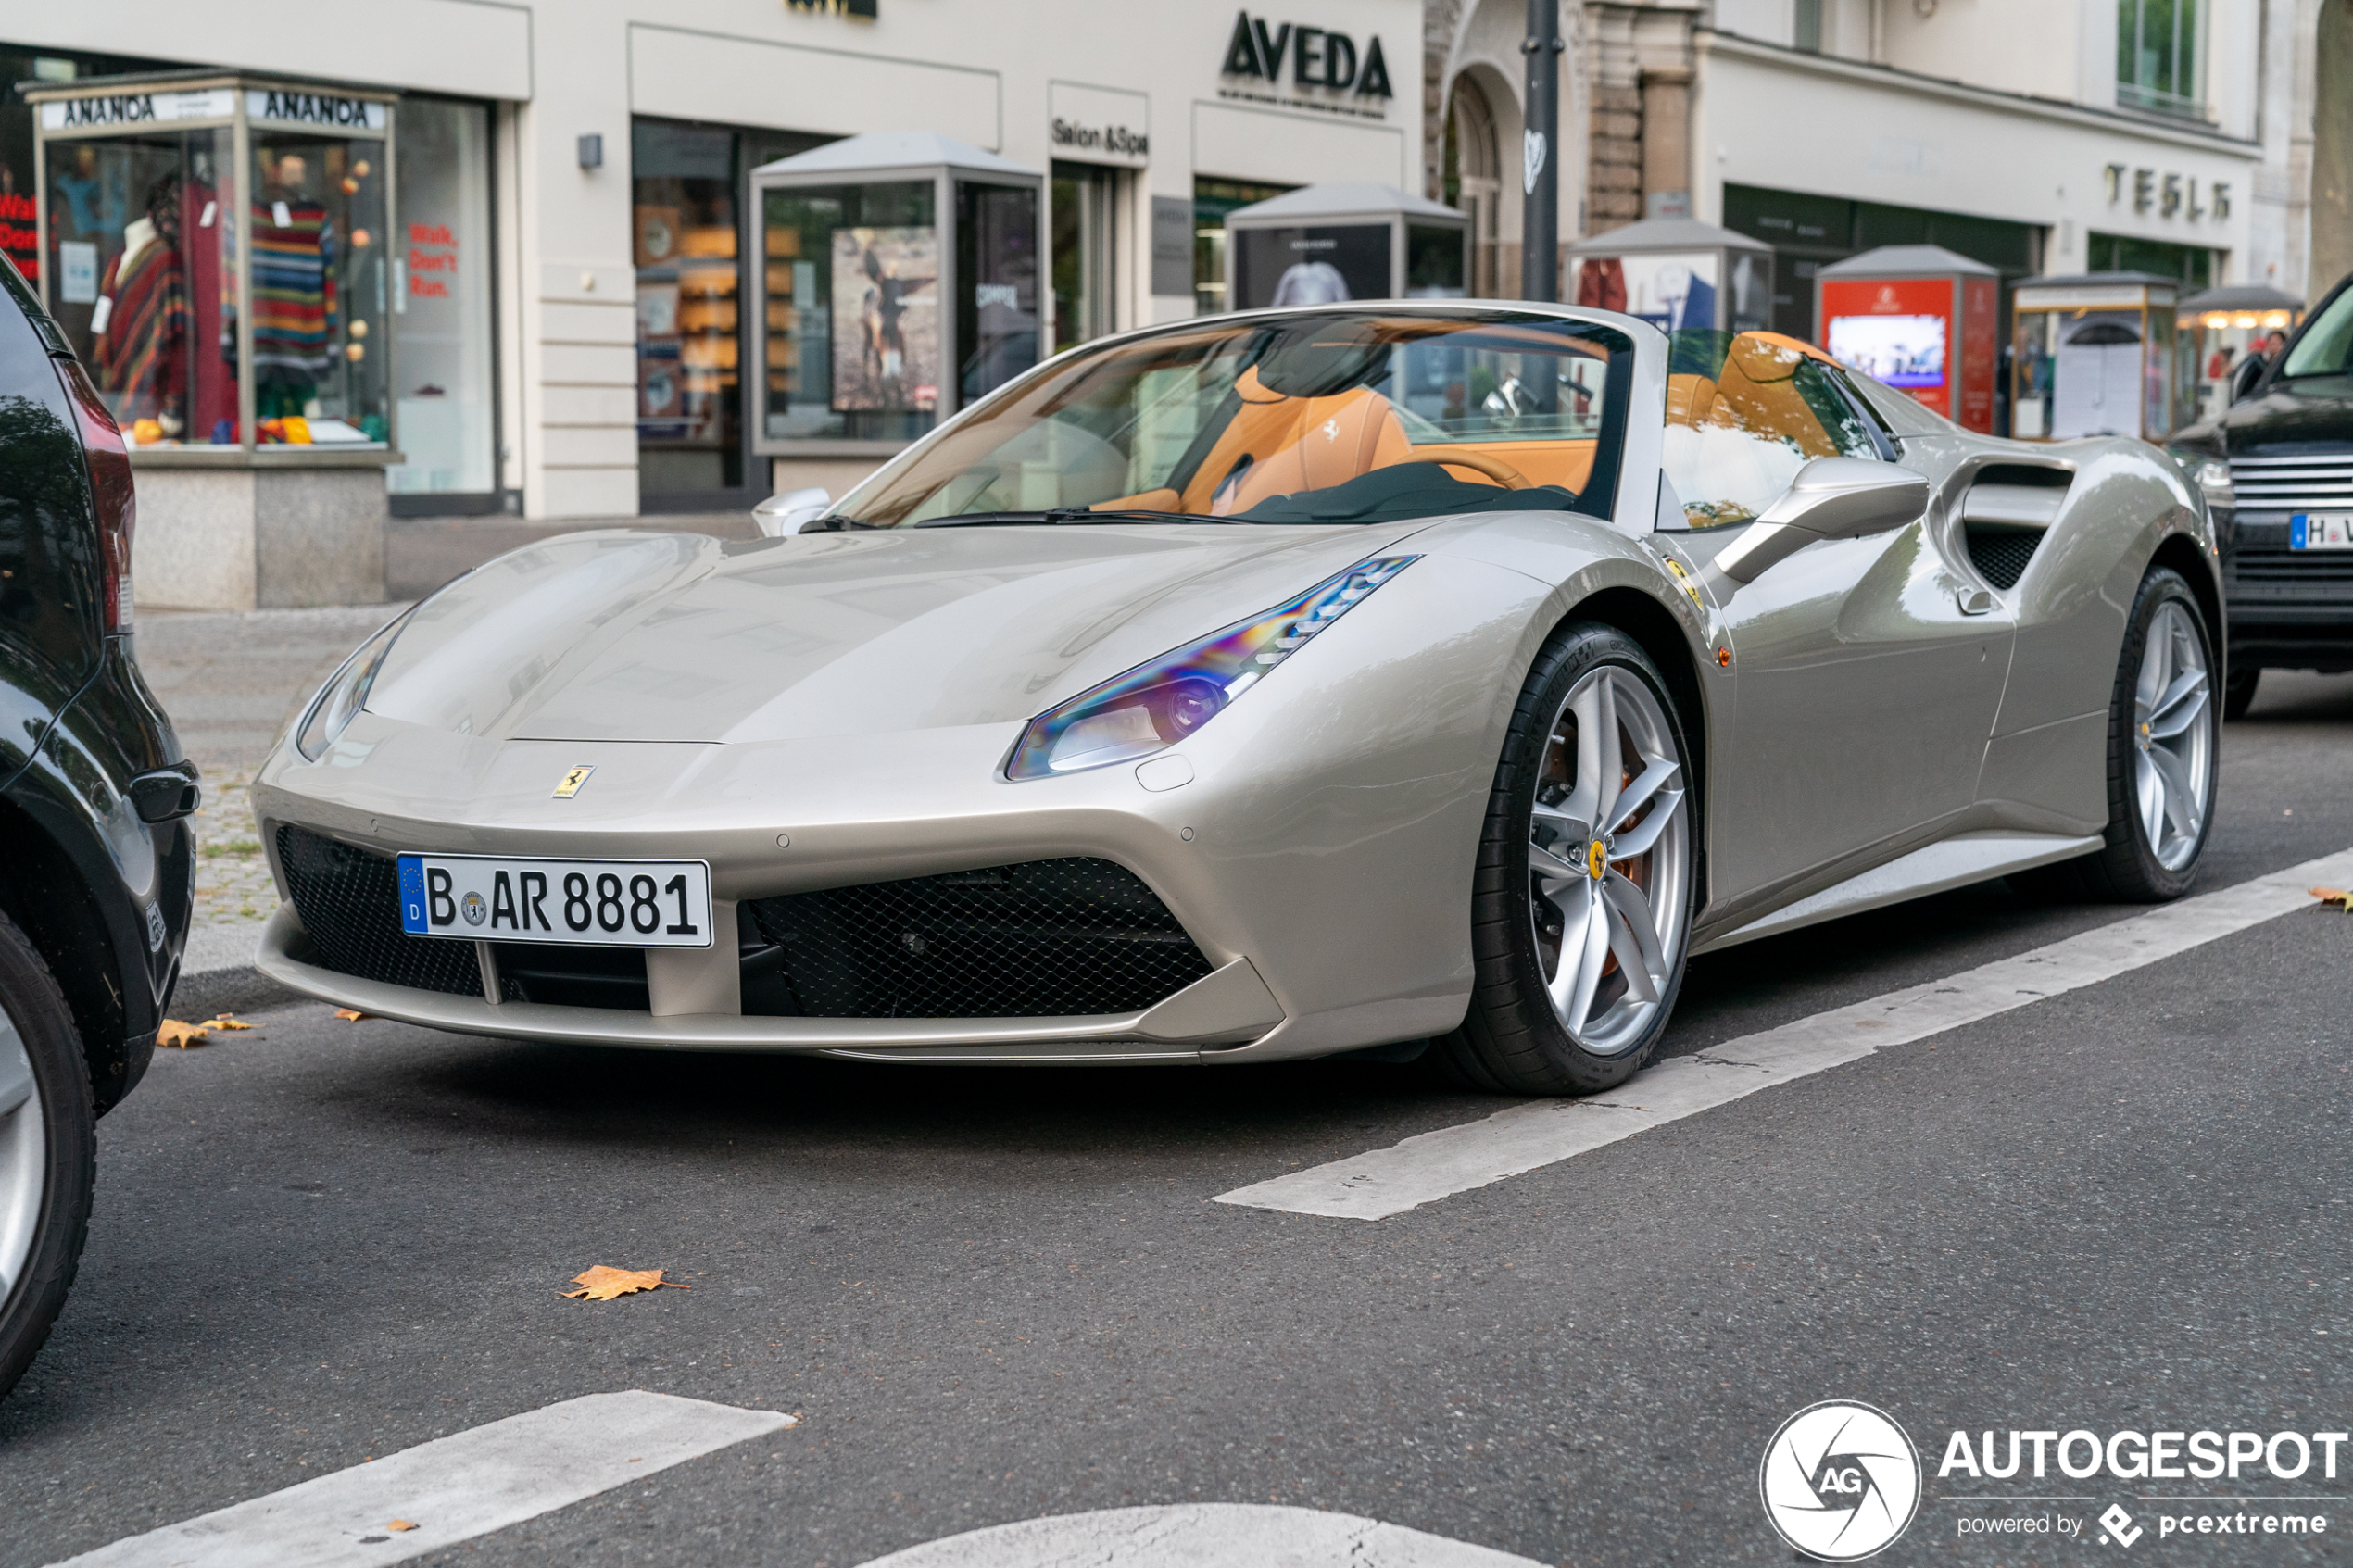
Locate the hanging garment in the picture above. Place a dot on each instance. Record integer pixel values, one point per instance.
(294, 288)
(143, 353)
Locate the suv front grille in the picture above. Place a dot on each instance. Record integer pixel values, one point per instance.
(1046, 938)
(349, 901)
(2294, 484)
(2276, 563)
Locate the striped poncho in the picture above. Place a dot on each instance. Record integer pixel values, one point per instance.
(294, 287)
(143, 353)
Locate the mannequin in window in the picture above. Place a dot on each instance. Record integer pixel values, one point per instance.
(294, 288)
(141, 323)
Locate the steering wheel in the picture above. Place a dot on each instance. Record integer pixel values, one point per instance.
(1495, 469)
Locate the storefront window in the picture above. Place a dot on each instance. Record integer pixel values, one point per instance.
(141, 263)
(853, 310)
(2157, 55)
(441, 301)
(321, 289)
(1080, 199)
(19, 239)
(1433, 262)
(997, 293)
(1212, 199)
(689, 393)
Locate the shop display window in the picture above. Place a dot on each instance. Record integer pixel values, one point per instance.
(683, 222)
(142, 275)
(216, 250)
(441, 301)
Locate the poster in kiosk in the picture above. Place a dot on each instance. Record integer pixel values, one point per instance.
(1677, 273)
(1329, 243)
(1921, 319)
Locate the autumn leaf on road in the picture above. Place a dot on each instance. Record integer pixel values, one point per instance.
(171, 1032)
(400, 1524)
(349, 1015)
(601, 1283)
(2337, 896)
(225, 1021)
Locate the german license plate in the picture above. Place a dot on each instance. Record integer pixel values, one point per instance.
(2320, 530)
(586, 903)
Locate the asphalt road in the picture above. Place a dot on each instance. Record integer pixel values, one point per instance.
(998, 1295)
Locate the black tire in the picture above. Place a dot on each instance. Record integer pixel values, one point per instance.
(1511, 1041)
(2238, 692)
(2126, 870)
(42, 1023)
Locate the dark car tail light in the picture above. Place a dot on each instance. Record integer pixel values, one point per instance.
(109, 488)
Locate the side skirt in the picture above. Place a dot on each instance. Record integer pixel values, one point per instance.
(1956, 862)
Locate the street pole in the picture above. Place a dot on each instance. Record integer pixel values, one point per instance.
(1540, 181)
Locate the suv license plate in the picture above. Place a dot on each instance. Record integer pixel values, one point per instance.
(583, 903)
(2320, 530)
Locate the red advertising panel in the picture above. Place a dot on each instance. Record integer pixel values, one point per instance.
(1980, 300)
(1900, 330)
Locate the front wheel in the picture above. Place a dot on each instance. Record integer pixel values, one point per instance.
(1581, 903)
(48, 1137)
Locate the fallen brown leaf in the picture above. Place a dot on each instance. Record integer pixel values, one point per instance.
(226, 1020)
(602, 1283)
(400, 1524)
(349, 1015)
(171, 1032)
(2337, 896)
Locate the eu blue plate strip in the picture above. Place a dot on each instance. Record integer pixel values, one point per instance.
(412, 896)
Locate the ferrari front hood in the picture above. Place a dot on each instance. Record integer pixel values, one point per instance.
(644, 636)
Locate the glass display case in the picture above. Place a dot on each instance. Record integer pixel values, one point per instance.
(2222, 330)
(2095, 355)
(1326, 244)
(897, 280)
(1921, 319)
(216, 248)
(1677, 273)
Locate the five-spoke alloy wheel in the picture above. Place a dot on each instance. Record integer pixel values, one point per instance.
(1583, 900)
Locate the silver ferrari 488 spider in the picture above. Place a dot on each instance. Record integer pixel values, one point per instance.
(1264, 686)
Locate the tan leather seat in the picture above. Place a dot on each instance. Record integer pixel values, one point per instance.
(1294, 444)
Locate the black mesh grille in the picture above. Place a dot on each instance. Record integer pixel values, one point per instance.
(349, 901)
(2000, 554)
(1048, 938)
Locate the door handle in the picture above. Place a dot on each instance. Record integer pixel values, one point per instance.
(1975, 601)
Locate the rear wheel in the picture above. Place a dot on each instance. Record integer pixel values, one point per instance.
(1583, 900)
(2164, 730)
(49, 1137)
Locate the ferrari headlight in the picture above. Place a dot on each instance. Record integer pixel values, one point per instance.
(1156, 705)
(345, 694)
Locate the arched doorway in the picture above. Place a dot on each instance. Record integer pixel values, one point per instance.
(1474, 183)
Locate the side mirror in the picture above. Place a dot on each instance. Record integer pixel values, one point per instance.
(1830, 498)
(790, 512)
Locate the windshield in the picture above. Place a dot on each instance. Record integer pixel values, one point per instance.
(1337, 417)
(2325, 346)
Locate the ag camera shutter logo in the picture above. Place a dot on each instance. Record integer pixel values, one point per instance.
(1840, 1481)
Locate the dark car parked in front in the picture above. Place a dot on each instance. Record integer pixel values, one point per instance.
(2277, 469)
(96, 855)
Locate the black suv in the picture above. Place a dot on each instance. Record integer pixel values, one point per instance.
(2277, 469)
(98, 863)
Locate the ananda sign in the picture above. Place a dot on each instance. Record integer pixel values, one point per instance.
(1317, 58)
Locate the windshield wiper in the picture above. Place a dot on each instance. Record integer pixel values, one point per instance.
(1058, 515)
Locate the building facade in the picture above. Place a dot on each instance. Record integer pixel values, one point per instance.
(2038, 136)
(571, 256)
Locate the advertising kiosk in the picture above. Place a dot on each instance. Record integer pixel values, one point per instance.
(221, 252)
(2220, 328)
(2093, 355)
(1327, 243)
(1675, 273)
(1921, 319)
(899, 281)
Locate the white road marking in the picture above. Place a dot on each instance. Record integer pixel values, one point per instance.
(1421, 1170)
(1200, 1534)
(465, 1485)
